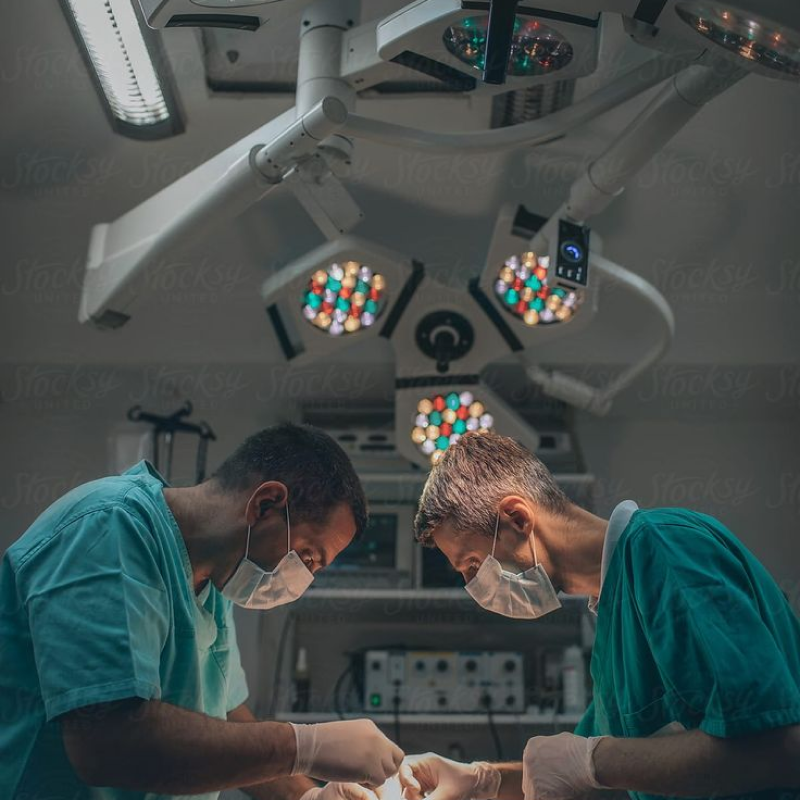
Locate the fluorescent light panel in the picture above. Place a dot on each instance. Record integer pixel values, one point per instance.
(122, 61)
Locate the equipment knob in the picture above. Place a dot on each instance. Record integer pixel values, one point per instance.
(442, 665)
(510, 665)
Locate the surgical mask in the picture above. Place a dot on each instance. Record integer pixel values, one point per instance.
(526, 595)
(250, 586)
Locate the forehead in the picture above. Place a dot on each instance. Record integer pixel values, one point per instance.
(337, 530)
(459, 545)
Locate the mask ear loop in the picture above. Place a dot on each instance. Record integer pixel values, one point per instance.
(288, 529)
(535, 558)
(496, 528)
(247, 543)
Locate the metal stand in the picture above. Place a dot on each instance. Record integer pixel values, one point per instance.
(168, 426)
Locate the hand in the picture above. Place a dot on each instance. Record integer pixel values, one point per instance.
(350, 751)
(442, 779)
(338, 791)
(559, 767)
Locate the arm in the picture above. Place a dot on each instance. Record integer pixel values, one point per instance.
(147, 745)
(290, 788)
(299, 786)
(692, 764)
(695, 764)
(152, 746)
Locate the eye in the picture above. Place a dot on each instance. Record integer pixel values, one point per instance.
(307, 559)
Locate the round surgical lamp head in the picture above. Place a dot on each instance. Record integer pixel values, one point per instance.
(523, 290)
(455, 42)
(536, 48)
(745, 33)
(344, 298)
(343, 292)
(442, 419)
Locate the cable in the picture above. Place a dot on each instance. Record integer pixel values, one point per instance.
(337, 704)
(396, 713)
(498, 745)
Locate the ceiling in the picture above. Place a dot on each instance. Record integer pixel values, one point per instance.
(713, 221)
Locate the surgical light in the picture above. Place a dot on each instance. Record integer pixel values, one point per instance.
(344, 298)
(536, 49)
(523, 290)
(128, 65)
(745, 33)
(443, 419)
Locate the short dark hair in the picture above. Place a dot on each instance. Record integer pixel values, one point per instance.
(474, 475)
(312, 466)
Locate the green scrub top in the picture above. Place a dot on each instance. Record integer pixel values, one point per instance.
(691, 628)
(97, 604)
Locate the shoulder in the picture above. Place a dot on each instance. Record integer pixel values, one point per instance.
(83, 515)
(680, 542)
(670, 528)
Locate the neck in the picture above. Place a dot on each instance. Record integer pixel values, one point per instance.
(574, 545)
(211, 530)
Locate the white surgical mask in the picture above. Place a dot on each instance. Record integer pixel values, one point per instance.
(526, 595)
(250, 586)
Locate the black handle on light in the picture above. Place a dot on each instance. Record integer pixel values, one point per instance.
(502, 15)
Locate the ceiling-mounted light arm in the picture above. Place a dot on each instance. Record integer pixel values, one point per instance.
(499, 35)
(529, 134)
(121, 252)
(598, 400)
(606, 177)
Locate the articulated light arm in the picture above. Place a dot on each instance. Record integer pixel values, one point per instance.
(121, 252)
(606, 177)
(527, 134)
(598, 400)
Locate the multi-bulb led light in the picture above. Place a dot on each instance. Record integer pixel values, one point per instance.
(443, 419)
(745, 33)
(523, 290)
(536, 49)
(344, 298)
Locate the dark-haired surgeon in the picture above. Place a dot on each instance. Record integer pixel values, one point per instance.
(121, 675)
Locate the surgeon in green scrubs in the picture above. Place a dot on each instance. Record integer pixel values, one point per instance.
(120, 675)
(696, 662)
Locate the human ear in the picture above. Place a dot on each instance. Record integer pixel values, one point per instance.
(518, 513)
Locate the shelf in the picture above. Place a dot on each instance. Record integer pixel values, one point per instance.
(437, 719)
(341, 593)
(400, 604)
(456, 595)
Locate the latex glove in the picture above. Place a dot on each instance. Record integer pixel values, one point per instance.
(391, 790)
(350, 751)
(559, 767)
(442, 779)
(338, 791)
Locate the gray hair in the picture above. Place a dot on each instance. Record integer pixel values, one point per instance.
(474, 475)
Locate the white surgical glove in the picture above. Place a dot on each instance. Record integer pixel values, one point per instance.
(350, 751)
(559, 767)
(442, 779)
(338, 791)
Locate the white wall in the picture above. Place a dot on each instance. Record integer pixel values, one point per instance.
(723, 442)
